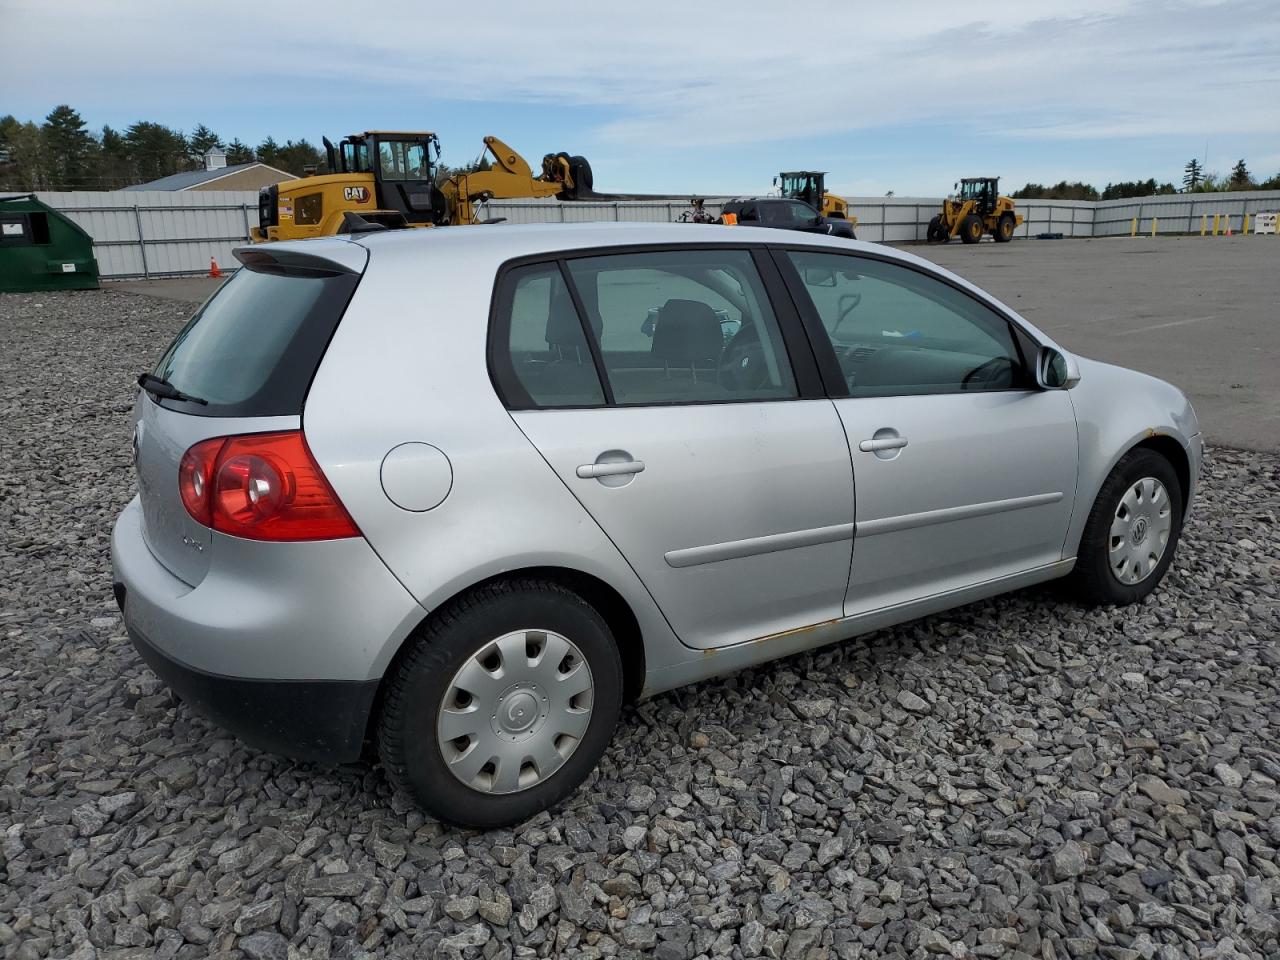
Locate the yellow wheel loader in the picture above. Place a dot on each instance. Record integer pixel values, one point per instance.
(811, 187)
(975, 209)
(388, 179)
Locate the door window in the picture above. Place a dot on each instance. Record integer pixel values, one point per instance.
(685, 326)
(402, 159)
(899, 332)
(545, 361)
(791, 215)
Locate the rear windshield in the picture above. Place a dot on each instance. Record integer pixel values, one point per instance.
(253, 348)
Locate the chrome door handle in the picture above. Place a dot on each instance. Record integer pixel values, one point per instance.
(884, 443)
(618, 469)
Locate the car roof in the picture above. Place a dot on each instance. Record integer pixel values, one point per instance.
(458, 251)
(454, 248)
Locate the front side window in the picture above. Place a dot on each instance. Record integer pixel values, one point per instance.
(793, 214)
(684, 326)
(899, 332)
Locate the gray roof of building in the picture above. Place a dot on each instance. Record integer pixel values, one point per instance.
(189, 178)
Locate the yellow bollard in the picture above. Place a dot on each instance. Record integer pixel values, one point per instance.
(1216, 218)
(1204, 223)
(1154, 221)
(1133, 228)
(1245, 229)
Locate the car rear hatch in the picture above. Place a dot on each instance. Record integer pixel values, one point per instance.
(241, 365)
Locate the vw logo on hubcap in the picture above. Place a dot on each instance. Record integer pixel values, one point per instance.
(1139, 529)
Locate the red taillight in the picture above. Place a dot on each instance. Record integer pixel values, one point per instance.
(261, 486)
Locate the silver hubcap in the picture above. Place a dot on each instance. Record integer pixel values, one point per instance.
(1140, 531)
(515, 711)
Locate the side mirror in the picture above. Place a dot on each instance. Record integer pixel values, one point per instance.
(1056, 370)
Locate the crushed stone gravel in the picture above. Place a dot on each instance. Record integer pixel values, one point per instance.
(1020, 778)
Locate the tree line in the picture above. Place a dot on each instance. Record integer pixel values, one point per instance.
(1194, 180)
(62, 153)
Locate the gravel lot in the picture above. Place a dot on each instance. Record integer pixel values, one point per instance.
(1019, 778)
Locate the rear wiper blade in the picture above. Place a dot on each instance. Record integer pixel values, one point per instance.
(162, 388)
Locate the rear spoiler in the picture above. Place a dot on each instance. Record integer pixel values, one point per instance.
(343, 258)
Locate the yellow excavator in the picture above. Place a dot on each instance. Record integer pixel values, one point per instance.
(975, 209)
(811, 187)
(388, 179)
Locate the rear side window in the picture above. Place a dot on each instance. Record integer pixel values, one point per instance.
(639, 329)
(253, 348)
(546, 361)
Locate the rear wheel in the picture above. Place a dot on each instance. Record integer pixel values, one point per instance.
(971, 229)
(1004, 229)
(1132, 531)
(502, 705)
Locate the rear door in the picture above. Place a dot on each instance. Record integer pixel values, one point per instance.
(704, 450)
(965, 470)
(249, 353)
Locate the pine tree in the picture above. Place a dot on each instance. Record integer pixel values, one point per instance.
(1193, 175)
(201, 141)
(1241, 179)
(69, 148)
(116, 168)
(268, 152)
(238, 152)
(157, 150)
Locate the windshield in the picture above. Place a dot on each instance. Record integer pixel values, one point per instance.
(972, 189)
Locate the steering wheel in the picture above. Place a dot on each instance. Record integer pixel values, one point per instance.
(987, 372)
(742, 366)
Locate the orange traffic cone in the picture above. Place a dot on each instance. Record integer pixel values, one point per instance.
(1228, 229)
(213, 268)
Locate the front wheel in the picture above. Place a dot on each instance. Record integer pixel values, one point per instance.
(971, 229)
(502, 704)
(1132, 531)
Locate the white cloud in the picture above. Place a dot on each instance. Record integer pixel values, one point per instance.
(691, 74)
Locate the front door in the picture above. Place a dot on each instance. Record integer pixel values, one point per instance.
(965, 471)
(681, 428)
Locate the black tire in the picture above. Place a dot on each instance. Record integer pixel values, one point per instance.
(419, 679)
(971, 229)
(937, 233)
(1093, 580)
(1004, 228)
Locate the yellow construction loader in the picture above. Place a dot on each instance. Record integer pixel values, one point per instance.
(811, 187)
(975, 209)
(388, 179)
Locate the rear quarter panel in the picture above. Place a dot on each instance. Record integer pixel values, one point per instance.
(408, 364)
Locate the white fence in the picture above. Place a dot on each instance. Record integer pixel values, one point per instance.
(161, 234)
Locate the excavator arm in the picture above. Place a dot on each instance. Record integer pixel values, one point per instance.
(509, 176)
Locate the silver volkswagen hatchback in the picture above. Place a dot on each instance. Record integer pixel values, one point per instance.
(460, 494)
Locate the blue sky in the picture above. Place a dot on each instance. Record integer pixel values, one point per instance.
(713, 97)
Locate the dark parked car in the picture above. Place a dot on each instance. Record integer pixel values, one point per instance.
(785, 214)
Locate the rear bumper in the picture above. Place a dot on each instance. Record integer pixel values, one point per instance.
(282, 644)
(319, 720)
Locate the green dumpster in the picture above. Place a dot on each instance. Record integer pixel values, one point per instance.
(40, 249)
